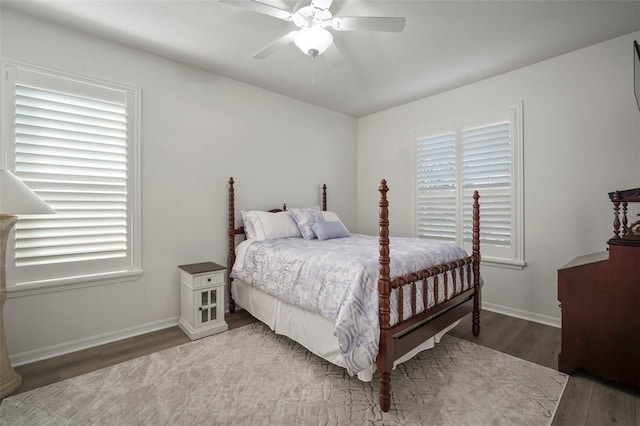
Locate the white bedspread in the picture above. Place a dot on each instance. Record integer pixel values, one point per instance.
(339, 280)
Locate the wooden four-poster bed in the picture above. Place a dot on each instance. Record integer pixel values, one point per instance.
(412, 306)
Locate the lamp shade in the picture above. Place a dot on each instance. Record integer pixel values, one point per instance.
(18, 198)
(313, 41)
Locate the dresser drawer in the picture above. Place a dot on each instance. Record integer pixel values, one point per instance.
(206, 280)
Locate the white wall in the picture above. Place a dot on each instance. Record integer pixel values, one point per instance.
(198, 129)
(581, 140)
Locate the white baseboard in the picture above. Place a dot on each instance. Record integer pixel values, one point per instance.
(530, 316)
(89, 342)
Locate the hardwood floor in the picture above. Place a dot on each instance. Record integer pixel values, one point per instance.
(586, 400)
(63, 367)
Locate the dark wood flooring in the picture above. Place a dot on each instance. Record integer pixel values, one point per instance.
(586, 400)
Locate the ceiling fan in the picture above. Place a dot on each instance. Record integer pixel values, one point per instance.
(312, 36)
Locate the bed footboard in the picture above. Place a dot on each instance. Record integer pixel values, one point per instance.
(461, 295)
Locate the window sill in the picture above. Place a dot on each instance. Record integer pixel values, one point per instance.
(503, 263)
(49, 286)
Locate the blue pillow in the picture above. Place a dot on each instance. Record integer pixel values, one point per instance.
(329, 230)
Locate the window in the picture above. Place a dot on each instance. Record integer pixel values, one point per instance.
(74, 142)
(453, 160)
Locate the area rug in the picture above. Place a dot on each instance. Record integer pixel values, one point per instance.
(252, 376)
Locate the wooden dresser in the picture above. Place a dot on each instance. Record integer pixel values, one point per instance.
(599, 297)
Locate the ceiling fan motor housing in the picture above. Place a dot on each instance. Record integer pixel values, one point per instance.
(312, 17)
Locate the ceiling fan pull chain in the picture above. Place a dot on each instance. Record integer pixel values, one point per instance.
(313, 70)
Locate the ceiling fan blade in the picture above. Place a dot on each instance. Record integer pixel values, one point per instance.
(333, 55)
(272, 47)
(368, 23)
(322, 4)
(280, 4)
(265, 9)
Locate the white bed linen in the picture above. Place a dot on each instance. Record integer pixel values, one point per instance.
(311, 330)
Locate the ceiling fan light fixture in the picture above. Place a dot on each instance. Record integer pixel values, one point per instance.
(313, 41)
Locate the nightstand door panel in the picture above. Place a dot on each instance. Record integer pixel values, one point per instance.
(206, 311)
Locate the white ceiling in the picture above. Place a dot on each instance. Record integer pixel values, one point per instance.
(445, 44)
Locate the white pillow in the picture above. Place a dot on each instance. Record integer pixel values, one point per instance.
(332, 217)
(248, 226)
(269, 226)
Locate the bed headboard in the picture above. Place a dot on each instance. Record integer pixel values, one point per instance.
(240, 230)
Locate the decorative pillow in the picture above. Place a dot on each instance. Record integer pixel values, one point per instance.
(329, 230)
(261, 225)
(305, 218)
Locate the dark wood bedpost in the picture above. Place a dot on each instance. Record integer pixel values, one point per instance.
(616, 212)
(476, 264)
(231, 234)
(384, 359)
(324, 197)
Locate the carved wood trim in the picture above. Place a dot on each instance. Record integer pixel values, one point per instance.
(475, 252)
(324, 197)
(629, 234)
(231, 238)
(410, 323)
(384, 361)
(616, 214)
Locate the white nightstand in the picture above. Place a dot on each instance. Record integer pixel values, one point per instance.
(202, 299)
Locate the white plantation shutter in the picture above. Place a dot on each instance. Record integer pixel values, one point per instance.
(477, 153)
(487, 168)
(73, 146)
(72, 152)
(436, 195)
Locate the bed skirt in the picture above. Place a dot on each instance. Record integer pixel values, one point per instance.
(309, 329)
